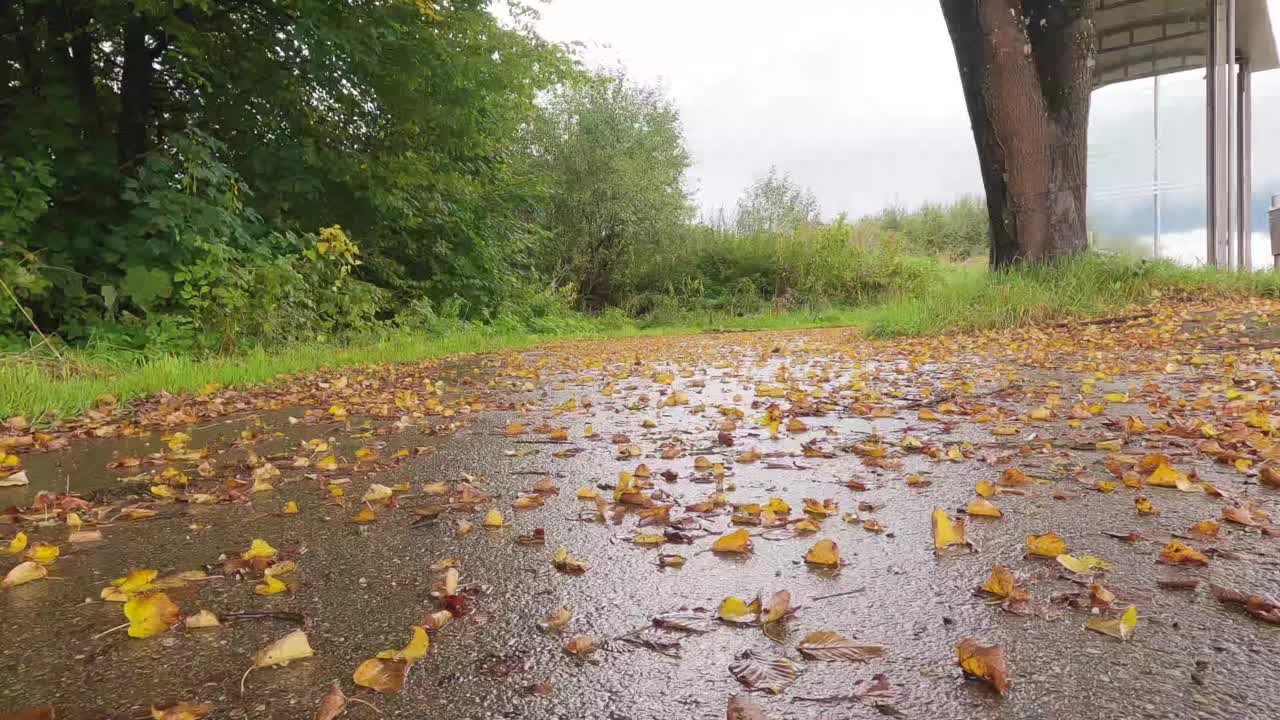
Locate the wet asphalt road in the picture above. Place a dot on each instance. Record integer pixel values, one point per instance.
(363, 586)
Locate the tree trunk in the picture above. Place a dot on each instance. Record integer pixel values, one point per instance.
(135, 93)
(1026, 71)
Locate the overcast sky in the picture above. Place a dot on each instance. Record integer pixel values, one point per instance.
(862, 102)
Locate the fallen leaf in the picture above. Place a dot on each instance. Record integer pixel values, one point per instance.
(555, 621)
(332, 704)
(258, 549)
(202, 619)
(43, 553)
(831, 646)
(741, 707)
(181, 711)
(270, 586)
(580, 645)
(982, 506)
(566, 563)
(737, 541)
(763, 671)
(381, 675)
(947, 532)
(17, 544)
(1048, 545)
(150, 614)
(824, 553)
(734, 610)
(777, 607)
(493, 519)
(1000, 583)
(293, 646)
(985, 662)
(1121, 628)
(1175, 553)
(24, 573)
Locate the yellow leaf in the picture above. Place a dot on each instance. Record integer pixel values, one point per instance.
(566, 563)
(328, 462)
(293, 646)
(1013, 477)
(24, 573)
(528, 502)
(270, 586)
(982, 506)
(1072, 564)
(43, 553)
(648, 538)
(1165, 476)
(586, 493)
(181, 711)
(1047, 545)
(1121, 628)
(806, 527)
(737, 541)
(134, 581)
(736, 611)
(824, 553)
(493, 519)
(777, 506)
(290, 508)
(17, 544)
(985, 488)
(202, 619)
(258, 549)
(1144, 506)
(381, 675)
(150, 614)
(1000, 582)
(555, 621)
(1205, 528)
(946, 532)
(412, 652)
(1175, 553)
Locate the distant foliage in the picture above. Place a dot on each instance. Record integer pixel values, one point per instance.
(776, 204)
(611, 155)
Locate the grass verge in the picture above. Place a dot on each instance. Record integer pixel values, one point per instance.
(967, 298)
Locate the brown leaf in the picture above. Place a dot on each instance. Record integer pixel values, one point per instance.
(332, 704)
(985, 662)
(762, 671)
(742, 707)
(383, 675)
(831, 646)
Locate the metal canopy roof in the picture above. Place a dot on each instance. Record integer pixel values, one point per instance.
(1144, 38)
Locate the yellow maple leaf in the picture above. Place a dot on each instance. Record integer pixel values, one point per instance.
(737, 541)
(150, 614)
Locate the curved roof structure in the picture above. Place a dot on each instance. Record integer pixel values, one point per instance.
(1145, 38)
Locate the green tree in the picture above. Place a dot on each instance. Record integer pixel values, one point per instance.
(189, 150)
(613, 161)
(776, 205)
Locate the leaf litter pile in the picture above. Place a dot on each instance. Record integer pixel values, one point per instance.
(747, 525)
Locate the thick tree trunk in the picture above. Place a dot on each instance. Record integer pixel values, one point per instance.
(135, 92)
(1026, 71)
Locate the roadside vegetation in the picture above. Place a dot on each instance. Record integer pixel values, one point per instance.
(283, 189)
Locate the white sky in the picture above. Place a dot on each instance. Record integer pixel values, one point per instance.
(822, 89)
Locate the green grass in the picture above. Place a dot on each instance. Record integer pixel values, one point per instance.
(967, 298)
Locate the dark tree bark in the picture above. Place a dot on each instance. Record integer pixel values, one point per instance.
(135, 92)
(1026, 70)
